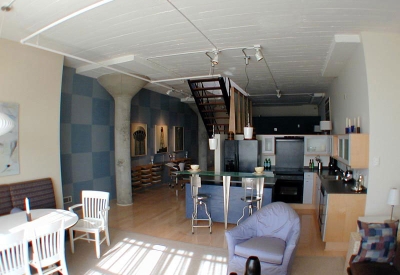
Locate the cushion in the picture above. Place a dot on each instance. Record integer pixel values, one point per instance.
(267, 249)
(15, 210)
(378, 242)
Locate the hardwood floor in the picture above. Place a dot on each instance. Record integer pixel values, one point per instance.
(159, 212)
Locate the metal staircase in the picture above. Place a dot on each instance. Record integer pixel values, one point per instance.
(212, 100)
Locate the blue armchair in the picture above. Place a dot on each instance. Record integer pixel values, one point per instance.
(271, 234)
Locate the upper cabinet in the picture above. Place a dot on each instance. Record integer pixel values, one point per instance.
(268, 144)
(317, 145)
(352, 149)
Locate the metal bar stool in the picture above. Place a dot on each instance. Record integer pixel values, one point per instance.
(252, 195)
(198, 201)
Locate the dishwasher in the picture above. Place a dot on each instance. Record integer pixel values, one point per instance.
(323, 200)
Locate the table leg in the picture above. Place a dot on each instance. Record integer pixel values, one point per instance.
(260, 187)
(226, 187)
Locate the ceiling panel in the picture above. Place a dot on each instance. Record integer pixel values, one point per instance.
(169, 39)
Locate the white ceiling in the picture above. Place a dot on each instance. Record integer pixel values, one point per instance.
(304, 42)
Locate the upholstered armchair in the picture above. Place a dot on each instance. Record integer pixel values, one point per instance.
(271, 234)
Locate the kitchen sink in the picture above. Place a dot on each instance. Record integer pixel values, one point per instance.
(331, 177)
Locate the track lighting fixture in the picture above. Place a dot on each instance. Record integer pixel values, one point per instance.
(169, 92)
(278, 93)
(215, 59)
(259, 56)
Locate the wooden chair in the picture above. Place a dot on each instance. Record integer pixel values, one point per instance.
(95, 206)
(48, 247)
(14, 254)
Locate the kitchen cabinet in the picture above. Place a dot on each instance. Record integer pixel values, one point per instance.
(317, 194)
(308, 190)
(352, 150)
(340, 219)
(317, 145)
(267, 144)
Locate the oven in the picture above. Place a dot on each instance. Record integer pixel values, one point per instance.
(288, 188)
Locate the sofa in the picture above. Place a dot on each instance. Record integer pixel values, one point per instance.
(374, 248)
(373, 268)
(39, 191)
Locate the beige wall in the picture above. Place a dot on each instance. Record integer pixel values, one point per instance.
(371, 82)
(32, 78)
(382, 58)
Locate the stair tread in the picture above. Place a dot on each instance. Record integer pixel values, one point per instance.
(204, 80)
(208, 96)
(207, 88)
(214, 111)
(212, 103)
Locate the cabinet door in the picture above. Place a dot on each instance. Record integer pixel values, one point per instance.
(308, 188)
(317, 195)
(268, 144)
(317, 145)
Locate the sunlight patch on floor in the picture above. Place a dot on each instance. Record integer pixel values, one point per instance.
(132, 256)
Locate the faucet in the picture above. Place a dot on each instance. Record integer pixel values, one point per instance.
(318, 158)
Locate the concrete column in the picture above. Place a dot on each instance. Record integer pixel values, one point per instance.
(202, 138)
(122, 88)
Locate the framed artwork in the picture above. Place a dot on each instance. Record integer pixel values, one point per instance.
(178, 138)
(138, 139)
(161, 139)
(9, 147)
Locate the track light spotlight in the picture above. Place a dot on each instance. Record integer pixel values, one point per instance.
(215, 59)
(259, 56)
(278, 93)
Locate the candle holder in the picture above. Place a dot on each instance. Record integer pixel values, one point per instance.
(29, 217)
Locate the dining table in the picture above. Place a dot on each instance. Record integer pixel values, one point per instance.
(18, 221)
(226, 183)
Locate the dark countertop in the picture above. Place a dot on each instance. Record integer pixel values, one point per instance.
(337, 186)
(331, 186)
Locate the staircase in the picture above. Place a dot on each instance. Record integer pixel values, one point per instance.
(212, 100)
(221, 104)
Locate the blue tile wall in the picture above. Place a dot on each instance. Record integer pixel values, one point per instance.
(86, 136)
(87, 132)
(155, 109)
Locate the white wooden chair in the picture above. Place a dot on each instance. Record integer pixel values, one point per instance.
(95, 206)
(14, 254)
(48, 249)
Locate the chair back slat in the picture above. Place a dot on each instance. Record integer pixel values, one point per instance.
(14, 254)
(48, 244)
(93, 203)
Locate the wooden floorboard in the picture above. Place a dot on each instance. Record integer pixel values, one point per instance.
(159, 211)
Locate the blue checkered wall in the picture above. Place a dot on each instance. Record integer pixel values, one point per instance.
(87, 132)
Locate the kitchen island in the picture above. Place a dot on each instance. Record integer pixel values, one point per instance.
(221, 185)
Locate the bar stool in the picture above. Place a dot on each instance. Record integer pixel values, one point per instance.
(198, 201)
(251, 196)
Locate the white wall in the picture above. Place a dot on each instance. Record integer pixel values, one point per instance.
(382, 58)
(32, 78)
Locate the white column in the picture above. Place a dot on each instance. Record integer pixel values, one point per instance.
(122, 88)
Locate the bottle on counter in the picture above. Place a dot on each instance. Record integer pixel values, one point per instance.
(309, 164)
(269, 164)
(265, 164)
(312, 164)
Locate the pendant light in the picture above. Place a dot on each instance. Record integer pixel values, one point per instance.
(248, 130)
(213, 141)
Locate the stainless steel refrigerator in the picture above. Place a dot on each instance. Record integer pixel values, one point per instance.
(241, 155)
